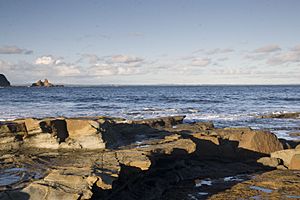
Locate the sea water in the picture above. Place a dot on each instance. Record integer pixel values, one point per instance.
(223, 105)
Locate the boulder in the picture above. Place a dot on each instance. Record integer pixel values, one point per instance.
(260, 141)
(269, 161)
(3, 81)
(285, 155)
(295, 162)
(32, 125)
(86, 132)
(134, 158)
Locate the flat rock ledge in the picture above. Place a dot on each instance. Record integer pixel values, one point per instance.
(114, 158)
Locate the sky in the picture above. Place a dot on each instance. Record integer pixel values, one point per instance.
(150, 42)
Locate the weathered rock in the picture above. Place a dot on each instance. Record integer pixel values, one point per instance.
(260, 141)
(41, 191)
(3, 81)
(281, 167)
(294, 134)
(295, 162)
(85, 132)
(161, 122)
(133, 158)
(44, 83)
(285, 155)
(250, 140)
(41, 141)
(293, 115)
(269, 161)
(193, 127)
(276, 184)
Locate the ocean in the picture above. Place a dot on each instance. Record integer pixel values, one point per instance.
(225, 106)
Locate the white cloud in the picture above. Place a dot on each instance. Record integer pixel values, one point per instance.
(219, 51)
(67, 70)
(125, 59)
(45, 60)
(267, 49)
(201, 62)
(287, 57)
(14, 50)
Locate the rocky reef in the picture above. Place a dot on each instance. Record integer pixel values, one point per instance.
(44, 83)
(161, 158)
(3, 81)
(288, 115)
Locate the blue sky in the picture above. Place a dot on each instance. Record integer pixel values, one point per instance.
(151, 42)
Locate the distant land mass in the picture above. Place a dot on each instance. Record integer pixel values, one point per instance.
(44, 83)
(3, 81)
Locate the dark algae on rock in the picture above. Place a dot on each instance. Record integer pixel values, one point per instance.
(3, 81)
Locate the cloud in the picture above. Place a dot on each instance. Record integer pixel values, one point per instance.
(14, 50)
(125, 59)
(296, 48)
(267, 49)
(4, 65)
(219, 51)
(201, 62)
(261, 56)
(67, 70)
(287, 57)
(214, 51)
(111, 70)
(45, 60)
(233, 71)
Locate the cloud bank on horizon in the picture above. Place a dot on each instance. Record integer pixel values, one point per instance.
(151, 42)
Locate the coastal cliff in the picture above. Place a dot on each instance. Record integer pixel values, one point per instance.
(3, 81)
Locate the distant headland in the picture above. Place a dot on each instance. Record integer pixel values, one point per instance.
(44, 83)
(3, 81)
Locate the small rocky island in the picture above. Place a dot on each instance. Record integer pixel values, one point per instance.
(44, 83)
(3, 81)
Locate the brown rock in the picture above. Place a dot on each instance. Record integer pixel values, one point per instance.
(161, 122)
(294, 134)
(40, 191)
(295, 162)
(86, 133)
(260, 141)
(134, 158)
(285, 155)
(269, 161)
(193, 128)
(293, 115)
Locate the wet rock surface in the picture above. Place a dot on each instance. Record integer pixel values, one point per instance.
(113, 158)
